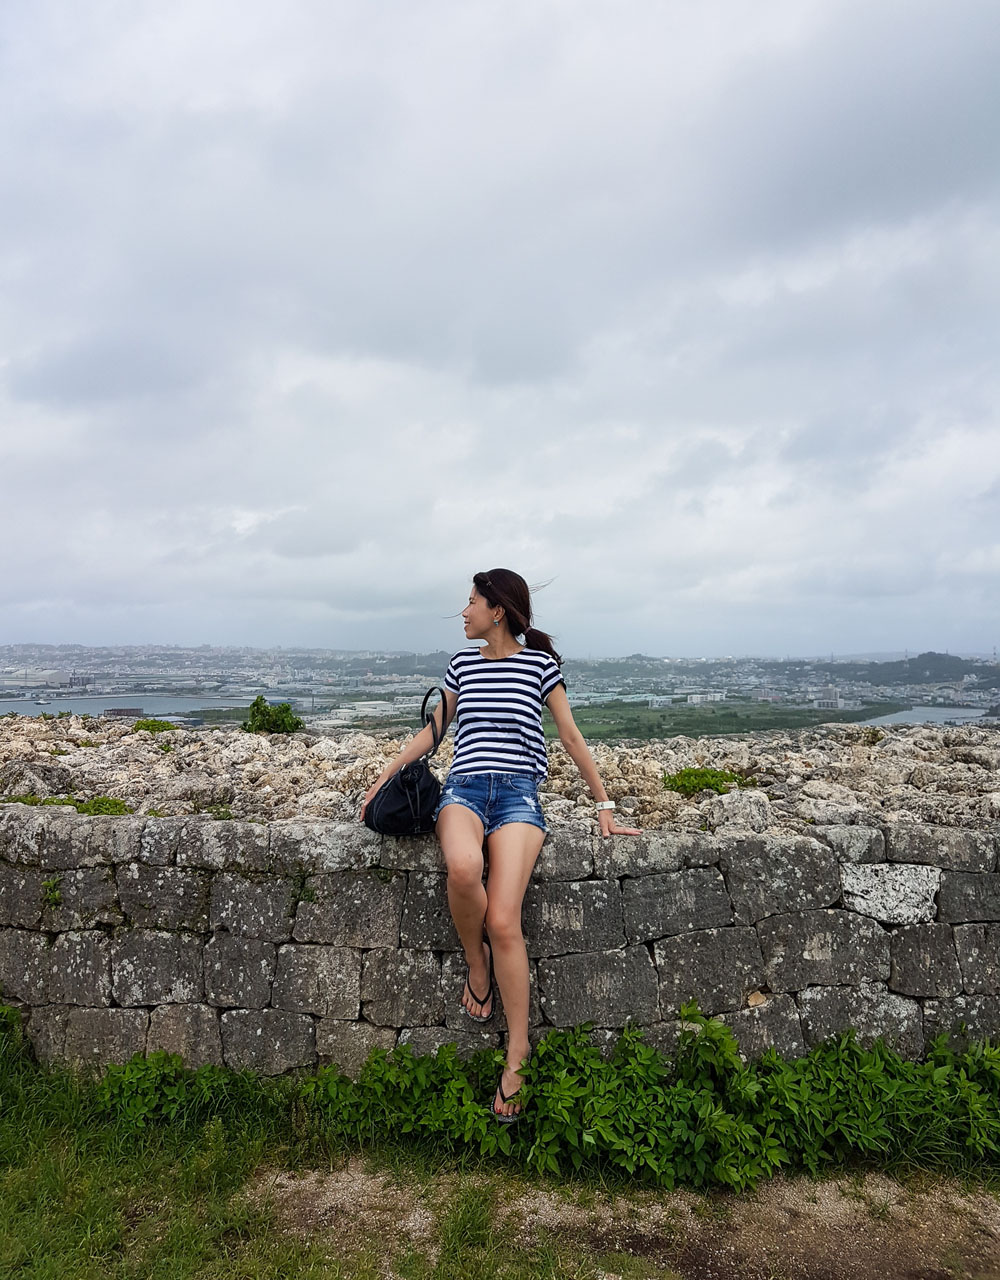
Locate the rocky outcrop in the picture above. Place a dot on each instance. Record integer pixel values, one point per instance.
(835, 776)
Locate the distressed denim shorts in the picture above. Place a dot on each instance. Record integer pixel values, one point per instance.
(495, 798)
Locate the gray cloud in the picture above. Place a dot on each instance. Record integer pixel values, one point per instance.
(309, 313)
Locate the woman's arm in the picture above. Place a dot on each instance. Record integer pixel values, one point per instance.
(419, 745)
(572, 739)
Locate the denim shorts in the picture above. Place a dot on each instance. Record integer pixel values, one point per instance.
(495, 798)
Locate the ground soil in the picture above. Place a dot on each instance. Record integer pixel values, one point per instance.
(863, 1227)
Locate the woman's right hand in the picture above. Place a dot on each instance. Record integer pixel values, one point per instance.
(368, 798)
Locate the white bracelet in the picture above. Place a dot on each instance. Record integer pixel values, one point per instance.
(605, 804)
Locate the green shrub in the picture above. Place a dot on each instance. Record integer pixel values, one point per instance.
(152, 726)
(701, 1118)
(264, 718)
(871, 736)
(690, 781)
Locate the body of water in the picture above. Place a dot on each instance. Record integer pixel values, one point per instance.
(153, 705)
(930, 715)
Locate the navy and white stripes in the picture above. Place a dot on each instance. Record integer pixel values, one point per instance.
(499, 715)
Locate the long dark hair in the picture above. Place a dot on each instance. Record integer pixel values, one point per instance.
(505, 589)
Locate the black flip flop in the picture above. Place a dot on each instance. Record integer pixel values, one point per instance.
(490, 994)
(500, 1116)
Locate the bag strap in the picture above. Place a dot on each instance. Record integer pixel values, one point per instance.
(428, 718)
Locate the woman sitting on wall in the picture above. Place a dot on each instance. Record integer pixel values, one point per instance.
(497, 691)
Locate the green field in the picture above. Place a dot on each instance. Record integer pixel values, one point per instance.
(614, 720)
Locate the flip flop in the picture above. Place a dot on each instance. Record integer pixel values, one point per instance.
(481, 1000)
(500, 1116)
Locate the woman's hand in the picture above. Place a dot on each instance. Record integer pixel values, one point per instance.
(606, 817)
(369, 797)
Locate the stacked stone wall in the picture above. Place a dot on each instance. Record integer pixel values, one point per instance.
(278, 946)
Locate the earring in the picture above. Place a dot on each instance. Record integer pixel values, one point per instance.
(496, 622)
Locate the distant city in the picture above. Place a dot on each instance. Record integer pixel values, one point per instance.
(331, 688)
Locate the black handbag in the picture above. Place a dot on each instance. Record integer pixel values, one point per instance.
(404, 805)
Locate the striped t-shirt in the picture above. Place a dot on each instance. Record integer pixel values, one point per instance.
(499, 714)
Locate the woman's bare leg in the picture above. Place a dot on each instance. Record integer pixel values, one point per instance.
(514, 849)
(461, 835)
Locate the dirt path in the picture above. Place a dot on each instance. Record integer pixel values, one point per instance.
(863, 1228)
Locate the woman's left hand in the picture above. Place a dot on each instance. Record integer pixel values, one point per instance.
(606, 817)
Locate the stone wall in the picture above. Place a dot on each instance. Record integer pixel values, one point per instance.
(276, 946)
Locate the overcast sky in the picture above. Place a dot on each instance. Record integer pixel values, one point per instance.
(309, 310)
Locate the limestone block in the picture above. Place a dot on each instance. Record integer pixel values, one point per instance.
(769, 876)
(97, 1037)
(43, 778)
(22, 834)
(652, 853)
(116, 839)
(873, 1012)
(239, 971)
(348, 1044)
(24, 966)
(161, 839)
(21, 895)
(663, 1036)
(966, 897)
(257, 907)
(163, 897)
(401, 988)
(318, 979)
(561, 916)
(567, 854)
(269, 1041)
(149, 967)
(351, 909)
(80, 969)
(86, 897)
(657, 906)
(951, 847)
(67, 841)
(823, 947)
(424, 1040)
(717, 967)
(426, 921)
(411, 853)
(772, 1025)
(963, 1019)
(924, 962)
(854, 843)
(978, 947)
(225, 846)
(739, 810)
(613, 986)
(47, 1032)
(318, 845)
(189, 1030)
(892, 893)
(453, 984)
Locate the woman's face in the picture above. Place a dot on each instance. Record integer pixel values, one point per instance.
(478, 615)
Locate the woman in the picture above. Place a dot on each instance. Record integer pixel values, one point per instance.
(491, 792)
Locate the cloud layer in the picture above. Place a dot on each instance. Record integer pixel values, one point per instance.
(310, 311)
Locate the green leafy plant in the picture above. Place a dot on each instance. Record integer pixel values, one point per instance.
(152, 726)
(46, 715)
(52, 892)
(701, 1118)
(63, 715)
(688, 782)
(264, 718)
(871, 736)
(103, 804)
